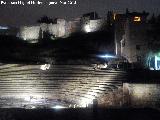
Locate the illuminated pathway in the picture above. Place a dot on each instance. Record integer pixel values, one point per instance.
(65, 85)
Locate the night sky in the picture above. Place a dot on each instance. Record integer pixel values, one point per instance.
(16, 15)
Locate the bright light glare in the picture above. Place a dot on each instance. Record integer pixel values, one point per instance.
(114, 16)
(107, 56)
(85, 102)
(137, 19)
(45, 67)
(3, 28)
(87, 28)
(58, 107)
(33, 107)
(27, 98)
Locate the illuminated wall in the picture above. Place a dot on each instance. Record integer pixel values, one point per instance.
(29, 33)
(130, 37)
(51, 28)
(73, 26)
(61, 29)
(119, 23)
(134, 46)
(141, 95)
(93, 25)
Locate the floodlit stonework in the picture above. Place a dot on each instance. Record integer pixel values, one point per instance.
(93, 25)
(60, 29)
(29, 33)
(130, 36)
(33, 33)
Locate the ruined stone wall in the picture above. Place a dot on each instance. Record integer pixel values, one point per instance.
(96, 25)
(120, 21)
(61, 29)
(135, 41)
(73, 27)
(141, 95)
(51, 28)
(93, 25)
(61, 23)
(30, 34)
(132, 95)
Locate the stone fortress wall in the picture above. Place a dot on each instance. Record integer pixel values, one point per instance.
(61, 29)
(32, 33)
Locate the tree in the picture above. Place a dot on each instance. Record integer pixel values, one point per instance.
(45, 19)
(152, 20)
